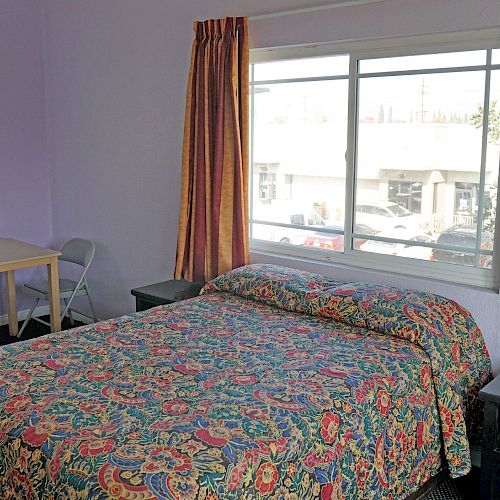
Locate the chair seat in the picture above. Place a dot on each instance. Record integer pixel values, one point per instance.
(79, 252)
(41, 289)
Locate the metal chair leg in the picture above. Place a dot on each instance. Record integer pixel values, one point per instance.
(91, 304)
(69, 312)
(26, 321)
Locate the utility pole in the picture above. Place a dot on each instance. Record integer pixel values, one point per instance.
(422, 93)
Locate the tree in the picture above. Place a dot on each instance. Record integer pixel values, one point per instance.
(489, 208)
(493, 121)
(381, 115)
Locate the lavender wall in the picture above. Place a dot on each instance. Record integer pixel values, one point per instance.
(115, 96)
(25, 211)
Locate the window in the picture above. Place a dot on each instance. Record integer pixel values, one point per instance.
(406, 194)
(394, 157)
(466, 198)
(267, 186)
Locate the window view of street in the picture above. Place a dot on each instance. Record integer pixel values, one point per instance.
(299, 148)
(426, 177)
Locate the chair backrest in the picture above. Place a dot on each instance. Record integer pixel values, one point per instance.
(78, 251)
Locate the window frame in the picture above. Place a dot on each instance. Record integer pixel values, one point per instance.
(486, 40)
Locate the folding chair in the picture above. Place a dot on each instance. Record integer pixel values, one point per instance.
(77, 251)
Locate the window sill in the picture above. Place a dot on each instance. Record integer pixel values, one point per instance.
(394, 268)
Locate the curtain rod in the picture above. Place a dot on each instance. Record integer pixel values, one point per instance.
(317, 8)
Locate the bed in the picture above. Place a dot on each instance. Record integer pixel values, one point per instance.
(273, 383)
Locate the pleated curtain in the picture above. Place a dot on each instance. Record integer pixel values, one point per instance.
(213, 221)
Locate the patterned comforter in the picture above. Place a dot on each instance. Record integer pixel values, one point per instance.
(274, 383)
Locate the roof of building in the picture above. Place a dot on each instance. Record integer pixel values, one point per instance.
(319, 149)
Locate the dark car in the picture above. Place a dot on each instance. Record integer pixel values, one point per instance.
(328, 241)
(463, 236)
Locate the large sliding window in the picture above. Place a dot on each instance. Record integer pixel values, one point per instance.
(394, 159)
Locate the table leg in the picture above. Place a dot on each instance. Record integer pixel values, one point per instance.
(54, 300)
(11, 303)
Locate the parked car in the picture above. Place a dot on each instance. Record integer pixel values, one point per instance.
(463, 236)
(328, 241)
(386, 215)
(288, 235)
(401, 249)
(297, 236)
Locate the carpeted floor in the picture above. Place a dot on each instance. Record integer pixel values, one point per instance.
(449, 489)
(464, 488)
(33, 329)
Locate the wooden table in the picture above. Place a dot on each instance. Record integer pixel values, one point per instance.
(16, 254)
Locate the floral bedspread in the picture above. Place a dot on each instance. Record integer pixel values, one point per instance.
(274, 383)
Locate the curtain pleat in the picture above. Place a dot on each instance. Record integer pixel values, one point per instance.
(213, 220)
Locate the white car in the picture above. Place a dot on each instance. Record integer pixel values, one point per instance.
(386, 215)
(290, 235)
(400, 249)
(297, 236)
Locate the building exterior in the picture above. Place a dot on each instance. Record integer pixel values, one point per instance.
(432, 169)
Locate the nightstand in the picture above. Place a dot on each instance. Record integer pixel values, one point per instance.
(165, 292)
(490, 454)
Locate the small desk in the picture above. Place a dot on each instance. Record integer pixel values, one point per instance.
(16, 254)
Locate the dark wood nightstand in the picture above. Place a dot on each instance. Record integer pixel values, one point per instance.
(165, 292)
(490, 454)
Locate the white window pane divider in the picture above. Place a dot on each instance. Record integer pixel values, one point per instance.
(434, 71)
(300, 80)
(375, 237)
(252, 139)
(296, 226)
(484, 147)
(437, 246)
(352, 129)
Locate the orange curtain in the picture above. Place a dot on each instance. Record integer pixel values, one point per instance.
(213, 221)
